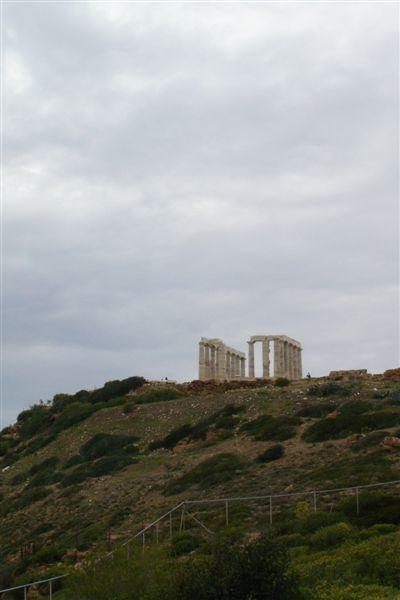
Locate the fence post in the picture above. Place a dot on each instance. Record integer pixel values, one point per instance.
(26, 592)
(182, 523)
(50, 589)
(315, 501)
(226, 513)
(143, 540)
(357, 502)
(270, 510)
(156, 533)
(170, 524)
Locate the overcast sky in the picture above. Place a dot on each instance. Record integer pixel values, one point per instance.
(184, 170)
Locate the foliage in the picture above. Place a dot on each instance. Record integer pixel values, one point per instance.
(282, 381)
(256, 571)
(183, 543)
(374, 507)
(317, 410)
(102, 466)
(272, 453)
(159, 395)
(35, 419)
(222, 419)
(268, 427)
(347, 423)
(212, 471)
(129, 407)
(73, 413)
(331, 536)
(302, 509)
(328, 389)
(104, 444)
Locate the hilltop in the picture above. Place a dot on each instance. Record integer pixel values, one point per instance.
(90, 469)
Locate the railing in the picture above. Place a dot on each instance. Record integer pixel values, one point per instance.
(183, 507)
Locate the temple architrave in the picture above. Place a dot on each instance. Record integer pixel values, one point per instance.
(222, 363)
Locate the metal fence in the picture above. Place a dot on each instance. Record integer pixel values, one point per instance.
(176, 518)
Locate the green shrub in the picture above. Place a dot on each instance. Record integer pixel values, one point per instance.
(212, 471)
(34, 420)
(355, 407)
(159, 395)
(374, 507)
(267, 427)
(291, 540)
(256, 571)
(282, 381)
(222, 419)
(102, 466)
(370, 440)
(346, 424)
(73, 413)
(30, 496)
(328, 389)
(317, 520)
(46, 464)
(173, 438)
(129, 408)
(331, 536)
(272, 453)
(317, 410)
(104, 444)
(183, 543)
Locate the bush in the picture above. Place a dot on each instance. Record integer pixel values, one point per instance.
(30, 496)
(317, 410)
(374, 507)
(183, 543)
(129, 407)
(272, 453)
(318, 520)
(267, 427)
(282, 382)
(213, 471)
(328, 389)
(104, 444)
(34, 420)
(256, 571)
(222, 419)
(73, 413)
(159, 395)
(331, 536)
(348, 423)
(48, 463)
(102, 466)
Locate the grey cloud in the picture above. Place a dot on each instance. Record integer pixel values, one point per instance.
(177, 171)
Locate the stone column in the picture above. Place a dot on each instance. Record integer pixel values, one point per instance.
(228, 366)
(251, 360)
(242, 367)
(276, 359)
(212, 363)
(202, 362)
(221, 363)
(282, 358)
(286, 360)
(299, 365)
(207, 361)
(265, 358)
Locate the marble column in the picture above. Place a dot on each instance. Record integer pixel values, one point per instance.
(212, 362)
(221, 363)
(299, 365)
(251, 360)
(207, 361)
(265, 358)
(202, 362)
(242, 367)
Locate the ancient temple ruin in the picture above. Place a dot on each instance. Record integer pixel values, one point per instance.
(220, 362)
(223, 363)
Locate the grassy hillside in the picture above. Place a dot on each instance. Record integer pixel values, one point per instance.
(86, 472)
